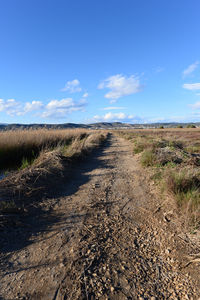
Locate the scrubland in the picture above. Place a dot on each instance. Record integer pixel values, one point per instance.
(173, 156)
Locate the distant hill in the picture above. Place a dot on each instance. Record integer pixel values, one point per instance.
(100, 125)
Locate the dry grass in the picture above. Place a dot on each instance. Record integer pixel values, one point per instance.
(79, 147)
(49, 169)
(184, 184)
(186, 135)
(19, 148)
(174, 156)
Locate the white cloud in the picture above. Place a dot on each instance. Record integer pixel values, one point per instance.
(54, 109)
(192, 86)
(85, 95)
(64, 103)
(10, 106)
(111, 117)
(120, 86)
(72, 86)
(195, 105)
(61, 108)
(190, 69)
(34, 105)
(113, 108)
(118, 116)
(132, 119)
(29, 107)
(13, 107)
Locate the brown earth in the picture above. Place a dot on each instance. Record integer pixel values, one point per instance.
(106, 237)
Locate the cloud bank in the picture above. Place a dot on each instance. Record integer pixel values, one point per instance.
(61, 108)
(52, 110)
(116, 117)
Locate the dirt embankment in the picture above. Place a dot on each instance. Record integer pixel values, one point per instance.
(105, 237)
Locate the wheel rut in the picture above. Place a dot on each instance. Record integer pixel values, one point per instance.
(114, 250)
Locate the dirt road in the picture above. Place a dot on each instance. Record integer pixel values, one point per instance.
(100, 239)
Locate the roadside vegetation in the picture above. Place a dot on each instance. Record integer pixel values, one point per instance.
(36, 160)
(174, 158)
(21, 147)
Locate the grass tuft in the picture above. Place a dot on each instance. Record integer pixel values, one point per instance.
(147, 158)
(185, 186)
(183, 182)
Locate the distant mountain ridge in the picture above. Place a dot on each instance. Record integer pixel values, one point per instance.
(100, 125)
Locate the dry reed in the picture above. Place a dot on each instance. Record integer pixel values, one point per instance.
(16, 146)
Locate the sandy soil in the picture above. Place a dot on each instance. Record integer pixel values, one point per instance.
(103, 238)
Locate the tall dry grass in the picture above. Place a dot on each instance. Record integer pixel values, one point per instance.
(25, 145)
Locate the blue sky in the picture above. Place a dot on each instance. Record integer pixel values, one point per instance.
(86, 61)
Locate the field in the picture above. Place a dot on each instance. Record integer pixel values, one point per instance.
(100, 215)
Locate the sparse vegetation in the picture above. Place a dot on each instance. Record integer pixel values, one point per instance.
(174, 157)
